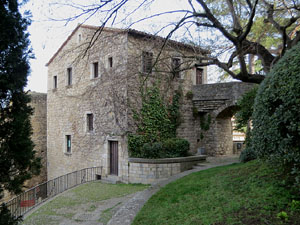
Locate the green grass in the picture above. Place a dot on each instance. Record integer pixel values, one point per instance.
(238, 194)
(84, 197)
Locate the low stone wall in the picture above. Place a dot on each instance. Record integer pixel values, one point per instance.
(147, 171)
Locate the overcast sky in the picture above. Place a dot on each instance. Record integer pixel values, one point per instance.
(47, 35)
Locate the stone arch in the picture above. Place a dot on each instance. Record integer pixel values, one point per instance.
(223, 129)
(218, 140)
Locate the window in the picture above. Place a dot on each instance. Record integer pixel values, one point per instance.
(110, 62)
(95, 70)
(68, 143)
(176, 67)
(90, 121)
(199, 75)
(69, 76)
(54, 82)
(147, 62)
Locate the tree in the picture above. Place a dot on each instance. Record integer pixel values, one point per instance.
(276, 118)
(17, 158)
(262, 30)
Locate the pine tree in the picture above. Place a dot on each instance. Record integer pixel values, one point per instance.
(17, 157)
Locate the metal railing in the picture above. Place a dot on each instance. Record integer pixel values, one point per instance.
(31, 198)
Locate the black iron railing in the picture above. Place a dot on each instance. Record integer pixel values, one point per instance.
(31, 198)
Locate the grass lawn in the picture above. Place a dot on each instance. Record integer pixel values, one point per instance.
(85, 198)
(247, 193)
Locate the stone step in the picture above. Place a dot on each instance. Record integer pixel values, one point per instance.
(199, 165)
(111, 179)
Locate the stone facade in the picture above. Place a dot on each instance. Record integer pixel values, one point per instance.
(76, 96)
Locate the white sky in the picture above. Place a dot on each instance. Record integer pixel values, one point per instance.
(47, 35)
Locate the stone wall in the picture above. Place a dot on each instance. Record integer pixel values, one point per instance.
(148, 171)
(217, 100)
(39, 136)
(109, 97)
(104, 96)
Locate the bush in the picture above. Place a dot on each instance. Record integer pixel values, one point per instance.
(247, 155)
(152, 150)
(169, 148)
(276, 117)
(176, 147)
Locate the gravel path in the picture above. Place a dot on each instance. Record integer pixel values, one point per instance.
(129, 209)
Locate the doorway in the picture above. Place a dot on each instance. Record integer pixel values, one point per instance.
(114, 157)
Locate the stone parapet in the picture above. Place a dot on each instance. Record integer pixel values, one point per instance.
(148, 171)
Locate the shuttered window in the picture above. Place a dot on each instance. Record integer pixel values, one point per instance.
(147, 62)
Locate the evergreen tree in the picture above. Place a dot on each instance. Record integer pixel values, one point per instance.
(17, 157)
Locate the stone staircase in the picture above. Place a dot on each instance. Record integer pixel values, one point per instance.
(200, 165)
(111, 179)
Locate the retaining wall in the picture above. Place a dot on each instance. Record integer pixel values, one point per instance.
(147, 171)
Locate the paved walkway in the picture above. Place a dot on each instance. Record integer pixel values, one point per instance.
(129, 209)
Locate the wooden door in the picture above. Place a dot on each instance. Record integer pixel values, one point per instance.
(199, 74)
(114, 157)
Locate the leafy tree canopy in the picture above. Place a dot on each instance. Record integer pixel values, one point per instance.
(236, 29)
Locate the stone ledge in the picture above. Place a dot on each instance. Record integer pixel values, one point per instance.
(168, 160)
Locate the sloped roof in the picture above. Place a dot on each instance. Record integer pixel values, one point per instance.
(132, 32)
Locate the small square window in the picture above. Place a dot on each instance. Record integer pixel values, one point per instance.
(147, 58)
(54, 82)
(95, 70)
(69, 76)
(68, 144)
(110, 62)
(90, 121)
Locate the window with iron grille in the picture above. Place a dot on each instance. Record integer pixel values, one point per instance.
(95, 69)
(90, 121)
(69, 76)
(147, 58)
(176, 67)
(68, 144)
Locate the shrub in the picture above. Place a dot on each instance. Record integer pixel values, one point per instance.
(247, 155)
(152, 150)
(176, 147)
(169, 148)
(276, 117)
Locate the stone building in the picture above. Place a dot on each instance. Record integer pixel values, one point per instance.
(94, 80)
